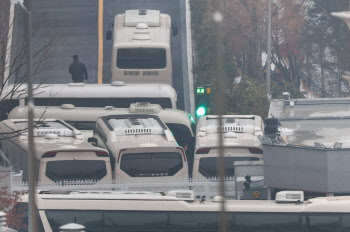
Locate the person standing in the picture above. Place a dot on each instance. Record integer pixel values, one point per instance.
(78, 70)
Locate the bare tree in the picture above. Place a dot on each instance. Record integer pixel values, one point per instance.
(246, 26)
(13, 61)
(288, 21)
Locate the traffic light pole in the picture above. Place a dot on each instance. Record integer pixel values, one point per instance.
(201, 102)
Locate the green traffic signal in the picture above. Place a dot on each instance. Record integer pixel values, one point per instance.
(200, 90)
(201, 111)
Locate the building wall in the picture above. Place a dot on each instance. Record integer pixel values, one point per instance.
(307, 168)
(338, 163)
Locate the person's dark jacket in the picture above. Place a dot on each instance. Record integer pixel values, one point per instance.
(78, 71)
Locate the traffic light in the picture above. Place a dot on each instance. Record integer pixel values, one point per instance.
(202, 100)
(201, 111)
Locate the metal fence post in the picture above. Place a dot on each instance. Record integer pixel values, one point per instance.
(3, 227)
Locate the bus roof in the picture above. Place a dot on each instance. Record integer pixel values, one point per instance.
(81, 90)
(50, 135)
(143, 200)
(142, 27)
(72, 113)
(138, 131)
(239, 131)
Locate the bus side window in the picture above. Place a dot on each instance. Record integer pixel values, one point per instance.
(101, 141)
(262, 222)
(22, 223)
(320, 223)
(194, 221)
(345, 223)
(6, 106)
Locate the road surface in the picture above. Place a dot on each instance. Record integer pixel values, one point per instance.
(78, 21)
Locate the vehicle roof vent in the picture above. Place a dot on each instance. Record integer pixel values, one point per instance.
(134, 17)
(52, 128)
(51, 136)
(218, 199)
(67, 106)
(230, 134)
(77, 84)
(290, 197)
(231, 124)
(109, 108)
(185, 195)
(134, 121)
(145, 108)
(118, 83)
(72, 227)
(143, 12)
(142, 26)
(136, 126)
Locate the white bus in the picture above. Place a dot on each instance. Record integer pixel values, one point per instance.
(62, 154)
(142, 146)
(156, 212)
(141, 47)
(240, 140)
(117, 94)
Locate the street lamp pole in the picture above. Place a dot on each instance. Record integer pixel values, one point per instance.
(32, 214)
(268, 64)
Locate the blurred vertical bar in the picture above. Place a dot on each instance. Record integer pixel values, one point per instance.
(268, 59)
(220, 102)
(32, 214)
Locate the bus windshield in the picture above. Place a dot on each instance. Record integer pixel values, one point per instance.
(151, 164)
(141, 58)
(76, 170)
(82, 125)
(182, 133)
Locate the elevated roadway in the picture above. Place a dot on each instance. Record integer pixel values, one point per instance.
(84, 24)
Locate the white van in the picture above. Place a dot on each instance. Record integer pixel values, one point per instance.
(142, 146)
(240, 140)
(62, 154)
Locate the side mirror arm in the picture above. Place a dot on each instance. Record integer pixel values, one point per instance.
(109, 32)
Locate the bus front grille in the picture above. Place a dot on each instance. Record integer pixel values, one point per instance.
(131, 73)
(150, 73)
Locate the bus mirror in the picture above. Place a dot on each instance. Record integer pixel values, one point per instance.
(174, 28)
(109, 35)
(92, 141)
(109, 31)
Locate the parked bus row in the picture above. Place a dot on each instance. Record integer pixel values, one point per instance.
(139, 134)
(126, 146)
(141, 58)
(84, 119)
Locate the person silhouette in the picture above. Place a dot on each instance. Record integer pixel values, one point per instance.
(78, 70)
